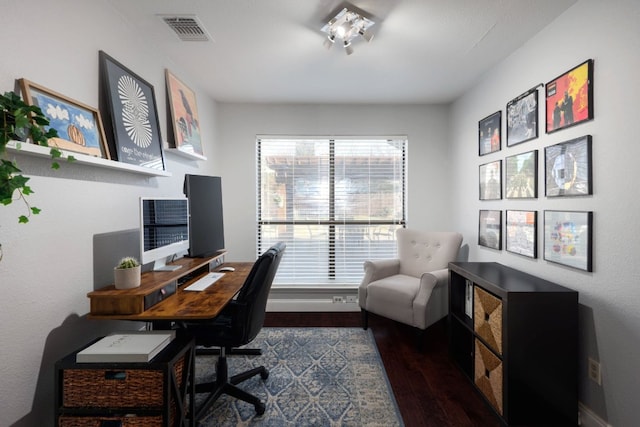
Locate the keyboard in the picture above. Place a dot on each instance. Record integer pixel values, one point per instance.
(204, 282)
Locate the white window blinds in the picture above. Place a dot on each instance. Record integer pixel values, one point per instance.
(335, 202)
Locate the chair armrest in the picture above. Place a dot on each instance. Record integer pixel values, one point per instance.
(376, 270)
(428, 282)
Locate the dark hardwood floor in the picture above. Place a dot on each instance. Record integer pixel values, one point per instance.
(430, 390)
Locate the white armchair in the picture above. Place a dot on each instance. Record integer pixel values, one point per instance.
(412, 289)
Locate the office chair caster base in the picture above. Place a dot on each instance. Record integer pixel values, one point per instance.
(260, 408)
(264, 374)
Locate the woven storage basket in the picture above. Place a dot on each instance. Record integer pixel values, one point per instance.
(146, 421)
(138, 388)
(488, 375)
(487, 318)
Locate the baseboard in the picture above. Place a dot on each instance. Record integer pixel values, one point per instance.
(588, 418)
(310, 305)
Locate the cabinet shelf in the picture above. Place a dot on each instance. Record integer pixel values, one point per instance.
(186, 154)
(83, 159)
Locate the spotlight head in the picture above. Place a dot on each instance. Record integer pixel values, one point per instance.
(347, 47)
(329, 41)
(366, 35)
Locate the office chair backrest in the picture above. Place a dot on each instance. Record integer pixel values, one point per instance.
(254, 293)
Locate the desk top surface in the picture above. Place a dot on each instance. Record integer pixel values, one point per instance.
(190, 305)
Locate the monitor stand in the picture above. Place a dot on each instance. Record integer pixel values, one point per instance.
(161, 265)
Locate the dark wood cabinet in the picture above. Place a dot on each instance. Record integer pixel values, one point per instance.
(515, 336)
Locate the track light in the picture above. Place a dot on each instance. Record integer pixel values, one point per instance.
(347, 25)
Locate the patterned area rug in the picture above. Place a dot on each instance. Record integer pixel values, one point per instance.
(317, 377)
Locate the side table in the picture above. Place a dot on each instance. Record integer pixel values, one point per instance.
(156, 393)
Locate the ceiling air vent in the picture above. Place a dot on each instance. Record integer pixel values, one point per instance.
(187, 27)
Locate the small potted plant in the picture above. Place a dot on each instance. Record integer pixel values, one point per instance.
(127, 273)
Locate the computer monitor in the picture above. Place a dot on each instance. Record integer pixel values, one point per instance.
(164, 230)
(206, 226)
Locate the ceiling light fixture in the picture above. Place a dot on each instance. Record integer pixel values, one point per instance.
(347, 25)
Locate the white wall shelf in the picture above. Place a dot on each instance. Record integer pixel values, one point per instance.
(182, 153)
(40, 151)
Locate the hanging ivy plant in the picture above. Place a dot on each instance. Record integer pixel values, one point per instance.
(19, 122)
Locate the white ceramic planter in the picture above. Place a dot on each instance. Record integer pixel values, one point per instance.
(127, 278)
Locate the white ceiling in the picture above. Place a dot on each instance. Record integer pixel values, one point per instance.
(271, 51)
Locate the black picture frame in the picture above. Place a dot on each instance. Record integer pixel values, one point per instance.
(131, 118)
(490, 229)
(568, 238)
(522, 118)
(490, 134)
(568, 170)
(569, 98)
(490, 179)
(521, 175)
(521, 231)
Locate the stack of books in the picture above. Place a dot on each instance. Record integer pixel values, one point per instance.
(126, 347)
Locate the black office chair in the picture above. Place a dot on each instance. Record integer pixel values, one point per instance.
(237, 325)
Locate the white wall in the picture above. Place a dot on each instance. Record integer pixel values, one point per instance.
(608, 32)
(239, 124)
(47, 267)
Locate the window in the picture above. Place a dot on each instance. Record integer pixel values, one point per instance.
(335, 202)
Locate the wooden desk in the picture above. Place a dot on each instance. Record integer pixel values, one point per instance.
(183, 305)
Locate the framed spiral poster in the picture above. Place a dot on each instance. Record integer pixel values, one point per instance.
(131, 118)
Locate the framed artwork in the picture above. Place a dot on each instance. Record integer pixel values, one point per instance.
(522, 118)
(491, 181)
(489, 133)
(570, 98)
(568, 238)
(79, 126)
(490, 229)
(521, 231)
(568, 168)
(521, 176)
(131, 118)
(185, 121)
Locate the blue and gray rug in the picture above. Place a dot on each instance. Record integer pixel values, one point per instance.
(317, 377)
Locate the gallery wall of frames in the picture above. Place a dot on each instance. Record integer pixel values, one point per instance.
(567, 235)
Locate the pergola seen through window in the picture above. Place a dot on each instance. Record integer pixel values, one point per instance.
(335, 202)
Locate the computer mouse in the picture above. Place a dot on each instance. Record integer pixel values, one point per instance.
(227, 268)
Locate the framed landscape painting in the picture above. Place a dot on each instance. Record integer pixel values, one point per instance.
(185, 121)
(568, 168)
(129, 105)
(521, 231)
(569, 99)
(522, 118)
(568, 238)
(489, 133)
(79, 126)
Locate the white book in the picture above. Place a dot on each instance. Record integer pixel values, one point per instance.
(126, 347)
(468, 299)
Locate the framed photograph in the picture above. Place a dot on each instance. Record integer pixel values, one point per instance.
(568, 237)
(568, 168)
(489, 133)
(131, 118)
(521, 231)
(491, 181)
(490, 229)
(79, 126)
(521, 176)
(570, 98)
(522, 118)
(185, 122)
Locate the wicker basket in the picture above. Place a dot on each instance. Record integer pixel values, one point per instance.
(487, 318)
(488, 375)
(105, 388)
(144, 421)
